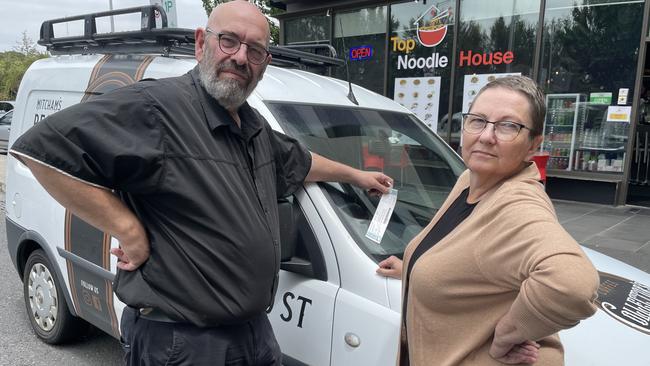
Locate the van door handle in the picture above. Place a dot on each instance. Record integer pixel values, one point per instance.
(352, 340)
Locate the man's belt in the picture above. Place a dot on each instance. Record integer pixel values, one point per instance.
(155, 315)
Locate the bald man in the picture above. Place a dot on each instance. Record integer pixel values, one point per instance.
(186, 175)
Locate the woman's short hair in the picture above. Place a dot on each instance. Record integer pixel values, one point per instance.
(529, 89)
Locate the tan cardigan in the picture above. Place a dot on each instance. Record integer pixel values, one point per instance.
(509, 255)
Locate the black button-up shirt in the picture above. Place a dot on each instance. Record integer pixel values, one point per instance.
(205, 190)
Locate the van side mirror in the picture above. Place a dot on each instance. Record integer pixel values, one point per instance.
(299, 250)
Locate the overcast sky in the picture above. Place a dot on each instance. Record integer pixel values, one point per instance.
(17, 16)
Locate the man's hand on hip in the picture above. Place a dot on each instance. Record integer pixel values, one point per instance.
(131, 255)
(100, 208)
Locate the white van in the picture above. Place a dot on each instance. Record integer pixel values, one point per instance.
(331, 308)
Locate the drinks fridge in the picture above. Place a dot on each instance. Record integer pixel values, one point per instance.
(579, 136)
(562, 116)
(600, 141)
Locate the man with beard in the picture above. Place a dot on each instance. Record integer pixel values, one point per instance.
(186, 175)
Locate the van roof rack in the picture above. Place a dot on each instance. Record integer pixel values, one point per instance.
(150, 39)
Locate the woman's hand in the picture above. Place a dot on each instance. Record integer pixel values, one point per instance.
(526, 352)
(390, 267)
(508, 346)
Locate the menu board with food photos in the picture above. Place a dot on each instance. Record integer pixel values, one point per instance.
(421, 96)
(474, 83)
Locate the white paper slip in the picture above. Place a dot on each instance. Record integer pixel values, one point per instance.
(380, 220)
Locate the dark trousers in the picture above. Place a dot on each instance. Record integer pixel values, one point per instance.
(150, 343)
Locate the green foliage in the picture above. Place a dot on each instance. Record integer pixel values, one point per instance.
(264, 6)
(13, 65)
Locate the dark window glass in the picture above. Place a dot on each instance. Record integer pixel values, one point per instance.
(5, 107)
(364, 32)
(588, 64)
(6, 118)
(423, 167)
(307, 29)
(420, 45)
(495, 38)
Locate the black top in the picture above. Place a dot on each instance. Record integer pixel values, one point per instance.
(457, 212)
(205, 190)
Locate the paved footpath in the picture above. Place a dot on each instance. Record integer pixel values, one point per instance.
(621, 232)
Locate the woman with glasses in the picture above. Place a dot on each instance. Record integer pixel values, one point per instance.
(494, 276)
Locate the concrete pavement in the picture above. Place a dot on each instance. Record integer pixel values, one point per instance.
(621, 232)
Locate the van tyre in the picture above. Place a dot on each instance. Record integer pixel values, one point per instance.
(45, 302)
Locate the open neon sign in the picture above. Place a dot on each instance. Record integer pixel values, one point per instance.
(361, 53)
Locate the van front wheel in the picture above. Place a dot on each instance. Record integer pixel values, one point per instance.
(45, 302)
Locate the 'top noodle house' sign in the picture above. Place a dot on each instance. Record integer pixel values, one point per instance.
(431, 31)
(432, 28)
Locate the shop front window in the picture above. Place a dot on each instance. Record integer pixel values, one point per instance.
(419, 69)
(588, 68)
(308, 29)
(495, 39)
(360, 36)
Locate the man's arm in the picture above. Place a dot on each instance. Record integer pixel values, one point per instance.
(325, 170)
(99, 207)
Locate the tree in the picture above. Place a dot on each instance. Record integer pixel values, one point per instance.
(264, 6)
(573, 63)
(26, 45)
(13, 65)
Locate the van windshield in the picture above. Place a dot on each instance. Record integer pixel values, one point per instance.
(423, 167)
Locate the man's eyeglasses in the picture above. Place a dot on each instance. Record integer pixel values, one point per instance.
(231, 45)
(503, 130)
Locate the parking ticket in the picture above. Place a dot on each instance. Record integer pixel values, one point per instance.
(382, 215)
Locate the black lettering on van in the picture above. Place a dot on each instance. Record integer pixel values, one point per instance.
(49, 104)
(288, 317)
(286, 300)
(38, 118)
(302, 309)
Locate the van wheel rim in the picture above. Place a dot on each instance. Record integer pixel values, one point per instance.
(43, 298)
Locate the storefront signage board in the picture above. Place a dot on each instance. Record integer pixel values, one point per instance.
(360, 53)
(622, 96)
(170, 10)
(467, 58)
(474, 82)
(432, 62)
(432, 24)
(600, 98)
(619, 113)
(431, 31)
(421, 95)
